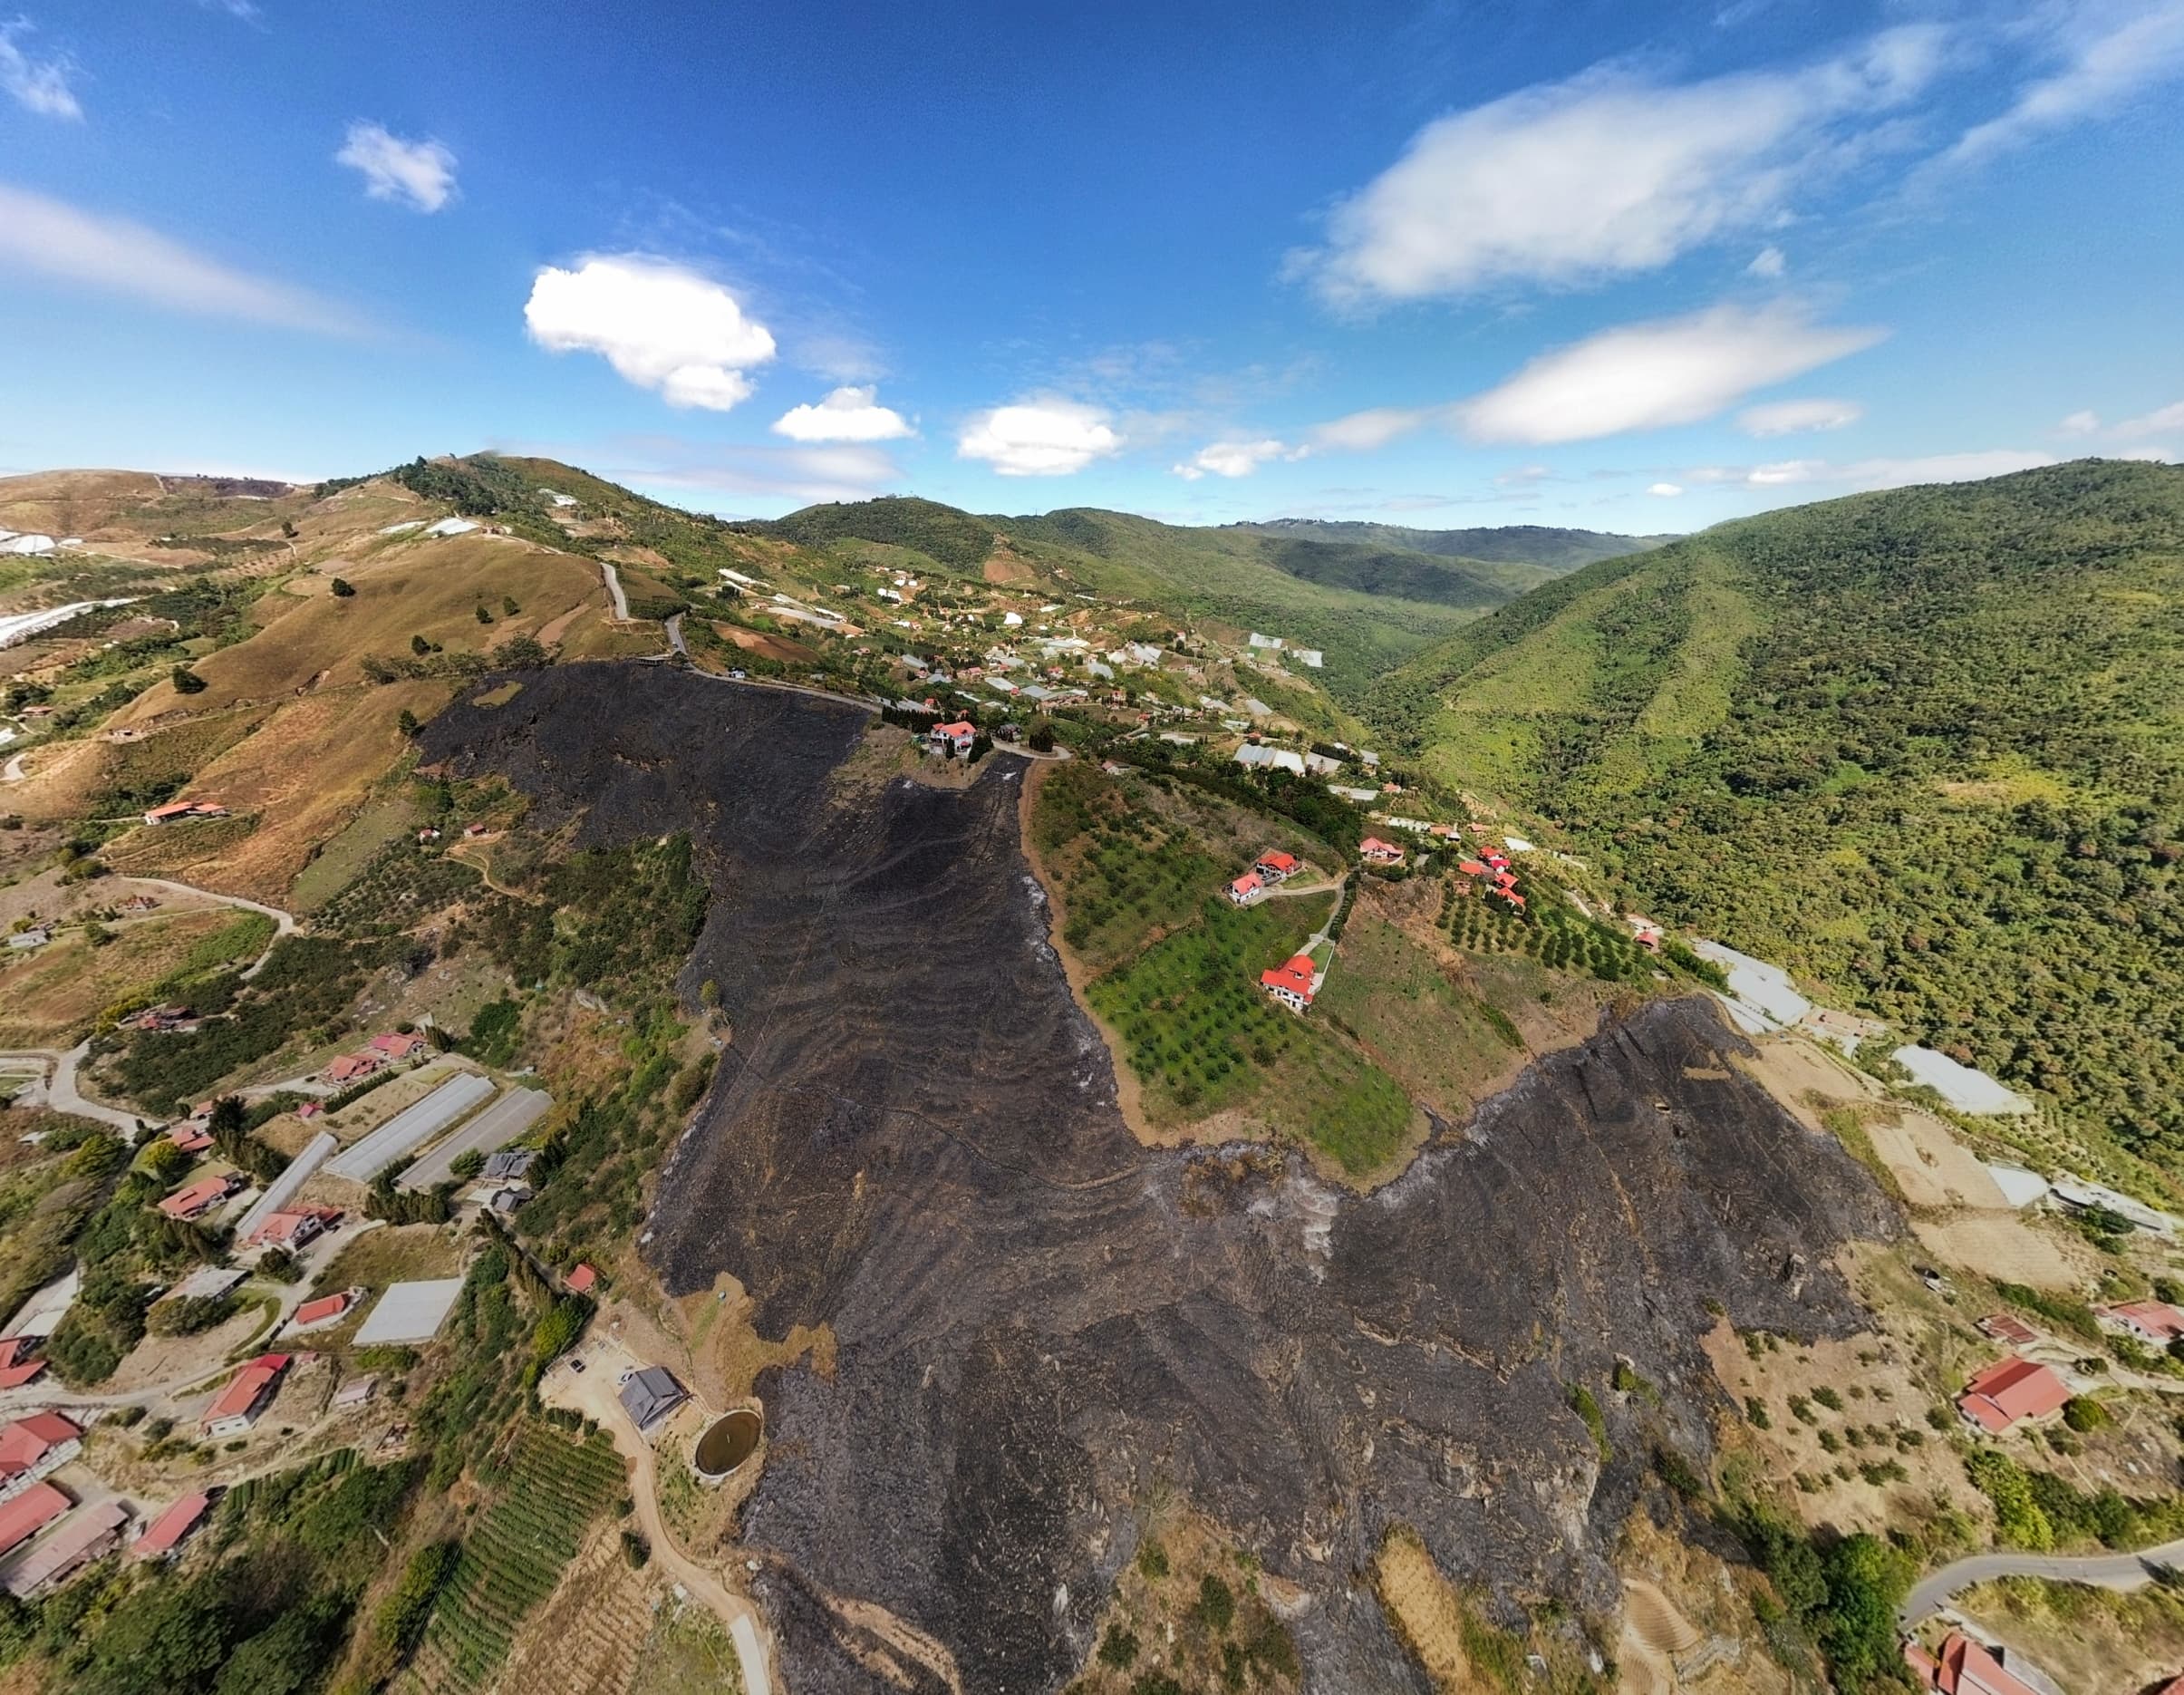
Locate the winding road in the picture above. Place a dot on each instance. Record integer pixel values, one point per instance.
(283, 923)
(613, 590)
(2103, 1571)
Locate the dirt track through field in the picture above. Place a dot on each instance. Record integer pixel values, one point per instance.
(1041, 1325)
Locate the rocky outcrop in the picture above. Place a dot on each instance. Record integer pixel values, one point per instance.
(913, 1139)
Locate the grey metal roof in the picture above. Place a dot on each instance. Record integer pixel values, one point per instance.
(412, 1126)
(651, 1394)
(409, 1312)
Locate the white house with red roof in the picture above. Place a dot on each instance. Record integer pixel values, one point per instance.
(350, 1067)
(954, 738)
(297, 1227)
(1965, 1667)
(201, 1197)
(329, 1309)
(1374, 851)
(1275, 866)
(2009, 1393)
(176, 812)
(32, 1448)
(1293, 983)
(398, 1044)
(2154, 1322)
(1246, 888)
(237, 1407)
(171, 1528)
(18, 1363)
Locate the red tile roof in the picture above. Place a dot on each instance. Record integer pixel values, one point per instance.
(2011, 1390)
(21, 1371)
(317, 1312)
(2157, 1318)
(1373, 847)
(581, 1281)
(1274, 857)
(26, 1442)
(167, 1531)
(1967, 1668)
(353, 1065)
(398, 1044)
(189, 1138)
(963, 727)
(284, 1227)
(1471, 868)
(252, 1381)
(2008, 1327)
(1295, 974)
(29, 1513)
(187, 1203)
(1248, 884)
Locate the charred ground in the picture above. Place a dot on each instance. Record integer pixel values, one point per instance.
(1041, 1325)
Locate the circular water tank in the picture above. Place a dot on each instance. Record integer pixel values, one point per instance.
(729, 1440)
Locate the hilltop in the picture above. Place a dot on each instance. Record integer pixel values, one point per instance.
(1923, 746)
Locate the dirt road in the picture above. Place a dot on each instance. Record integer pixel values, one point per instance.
(59, 1087)
(283, 923)
(613, 590)
(593, 1393)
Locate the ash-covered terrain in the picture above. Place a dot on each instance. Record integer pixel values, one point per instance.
(1041, 1324)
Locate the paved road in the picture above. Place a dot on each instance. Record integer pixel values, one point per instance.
(2105, 1571)
(613, 590)
(283, 923)
(60, 1092)
(674, 636)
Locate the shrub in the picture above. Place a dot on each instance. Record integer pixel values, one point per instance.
(2083, 1414)
(1756, 1410)
(1153, 1560)
(343, 588)
(1828, 1397)
(186, 680)
(1582, 1403)
(1216, 1606)
(1117, 1648)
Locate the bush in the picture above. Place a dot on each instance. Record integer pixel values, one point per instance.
(1216, 1606)
(1582, 1403)
(343, 588)
(1153, 1561)
(186, 680)
(1117, 1648)
(635, 1549)
(2083, 1414)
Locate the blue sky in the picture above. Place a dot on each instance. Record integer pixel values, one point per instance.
(1624, 267)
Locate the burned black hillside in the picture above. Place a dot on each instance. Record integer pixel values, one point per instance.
(913, 1139)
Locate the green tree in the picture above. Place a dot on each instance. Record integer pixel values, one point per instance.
(343, 588)
(186, 680)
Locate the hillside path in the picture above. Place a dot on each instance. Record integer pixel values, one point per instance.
(2105, 1571)
(283, 923)
(593, 1393)
(613, 590)
(61, 1094)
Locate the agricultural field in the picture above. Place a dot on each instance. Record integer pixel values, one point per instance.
(512, 1556)
(52, 997)
(1204, 1039)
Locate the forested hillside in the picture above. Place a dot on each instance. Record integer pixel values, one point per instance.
(1925, 746)
(1554, 552)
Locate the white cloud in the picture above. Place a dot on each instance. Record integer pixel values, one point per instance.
(1039, 438)
(1667, 491)
(1878, 473)
(1235, 458)
(50, 239)
(778, 476)
(1360, 433)
(245, 10)
(848, 415)
(1611, 172)
(1769, 263)
(2079, 423)
(39, 85)
(661, 327)
(2108, 53)
(420, 175)
(1794, 417)
(2154, 422)
(2151, 455)
(1645, 376)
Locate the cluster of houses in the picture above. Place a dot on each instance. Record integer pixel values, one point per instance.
(1272, 867)
(1492, 871)
(2016, 1390)
(62, 1537)
(392, 1048)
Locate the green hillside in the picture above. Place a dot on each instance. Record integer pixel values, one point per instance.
(1925, 746)
(1554, 552)
(1368, 608)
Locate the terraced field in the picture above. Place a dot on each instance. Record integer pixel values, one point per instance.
(512, 1557)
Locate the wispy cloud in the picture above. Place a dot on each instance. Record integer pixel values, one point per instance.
(1610, 173)
(734, 474)
(47, 238)
(41, 85)
(1235, 458)
(661, 325)
(1796, 416)
(246, 11)
(2105, 54)
(420, 175)
(1878, 473)
(2153, 423)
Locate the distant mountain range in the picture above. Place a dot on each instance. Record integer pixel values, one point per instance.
(1554, 550)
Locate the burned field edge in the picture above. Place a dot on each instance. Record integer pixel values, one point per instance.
(1041, 1325)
